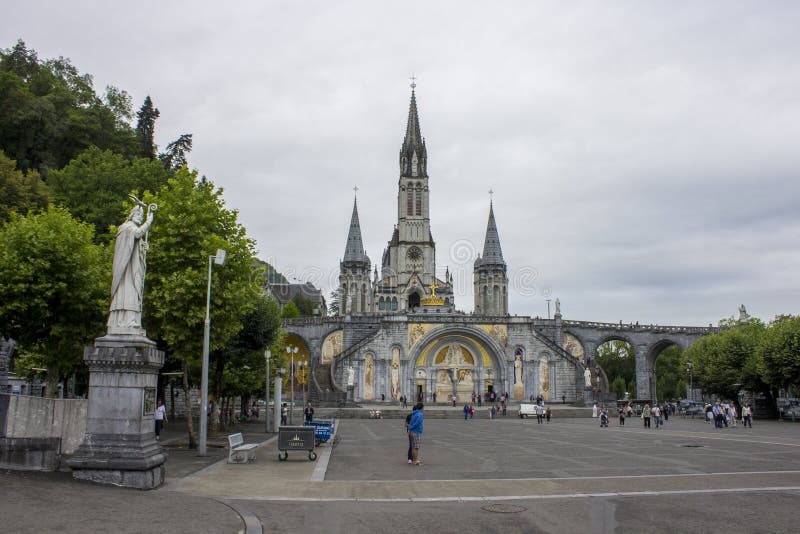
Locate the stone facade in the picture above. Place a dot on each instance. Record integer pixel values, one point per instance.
(400, 335)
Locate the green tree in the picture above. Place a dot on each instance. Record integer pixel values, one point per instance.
(21, 192)
(728, 361)
(779, 353)
(49, 112)
(174, 157)
(617, 359)
(670, 374)
(191, 224)
(290, 311)
(305, 306)
(146, 129)
(239, 368)
(334, 307)
(95, 186)
(53, 289)
(618, 387)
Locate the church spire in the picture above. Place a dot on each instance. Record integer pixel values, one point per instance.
(354, 250)
(413, 154)
(492, 253)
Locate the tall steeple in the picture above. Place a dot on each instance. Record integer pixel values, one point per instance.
(489, 276)
(492, 253)
(354, 250)
(413, 154)
(355, 287)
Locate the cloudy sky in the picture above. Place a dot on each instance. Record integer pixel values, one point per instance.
(644, 155)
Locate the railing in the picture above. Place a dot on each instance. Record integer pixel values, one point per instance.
(636, 327)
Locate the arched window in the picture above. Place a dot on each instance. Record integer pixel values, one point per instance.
(380, 303)
(363, 298)
(410, 202)
(419, 200)
(394, 303)
(496, 299)
(485, 300)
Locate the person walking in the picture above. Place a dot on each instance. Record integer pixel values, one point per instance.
(539, 413)
(646, 415)
(479, 400)
(621, 412)
(284, 413)
(747, 416)
(657, 415)
(471, 411)
(466, 412)
(415, 428)
(161, 418)
(309, 412)
(733, 414)
(548, 414)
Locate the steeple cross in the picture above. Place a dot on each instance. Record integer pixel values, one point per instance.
(491, 195)
(355, 190)
(413, 81)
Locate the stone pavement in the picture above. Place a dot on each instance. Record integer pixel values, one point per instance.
(506, 475)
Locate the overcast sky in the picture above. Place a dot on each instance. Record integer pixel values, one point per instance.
(644, 155)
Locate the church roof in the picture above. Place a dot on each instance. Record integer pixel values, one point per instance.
(354, 250)
(492, 253)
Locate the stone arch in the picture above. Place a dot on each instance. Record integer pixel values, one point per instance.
(646, 366)
(332, 345)
(489, 356)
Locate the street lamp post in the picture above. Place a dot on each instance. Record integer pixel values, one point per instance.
(219, 259)
(689, 372)
(292, 351)
(267, 355)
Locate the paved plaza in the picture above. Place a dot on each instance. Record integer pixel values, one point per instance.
(505, 475)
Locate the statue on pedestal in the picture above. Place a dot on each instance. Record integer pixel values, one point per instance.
(587, 378)
(127, 284)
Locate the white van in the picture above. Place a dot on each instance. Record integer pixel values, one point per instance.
(527, 410)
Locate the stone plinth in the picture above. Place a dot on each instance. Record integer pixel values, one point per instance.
(120, 446)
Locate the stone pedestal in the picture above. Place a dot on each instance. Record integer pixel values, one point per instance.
(120, 446)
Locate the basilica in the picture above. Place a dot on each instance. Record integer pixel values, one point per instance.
(397, 332)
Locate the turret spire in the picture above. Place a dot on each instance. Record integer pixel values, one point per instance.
(492, 253)
(354, 250)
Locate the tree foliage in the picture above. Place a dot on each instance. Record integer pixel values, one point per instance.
(146, 129)
(192, 224)
(290, 311)
(728, 361)
(670, 374)
(95, 186)
(50, 113)
(21, 192)
(779, 353)
(174, 157)
(53, 288)
(617, 359)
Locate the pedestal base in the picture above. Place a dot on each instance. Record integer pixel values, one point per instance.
(149, 479)
(120, 446)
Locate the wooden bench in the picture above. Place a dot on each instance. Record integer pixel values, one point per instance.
(240, 452)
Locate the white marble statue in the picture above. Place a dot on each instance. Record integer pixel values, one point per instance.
(587, 377)
(127, 284)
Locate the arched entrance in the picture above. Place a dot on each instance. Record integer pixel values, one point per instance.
(457, 361)
(413, 300)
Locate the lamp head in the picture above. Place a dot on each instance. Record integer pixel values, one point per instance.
(219, 258)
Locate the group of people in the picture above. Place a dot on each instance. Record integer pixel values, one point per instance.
(723, 414)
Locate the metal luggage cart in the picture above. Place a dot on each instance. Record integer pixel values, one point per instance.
(296, 438)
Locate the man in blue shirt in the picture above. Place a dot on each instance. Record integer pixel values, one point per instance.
(415, 432)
